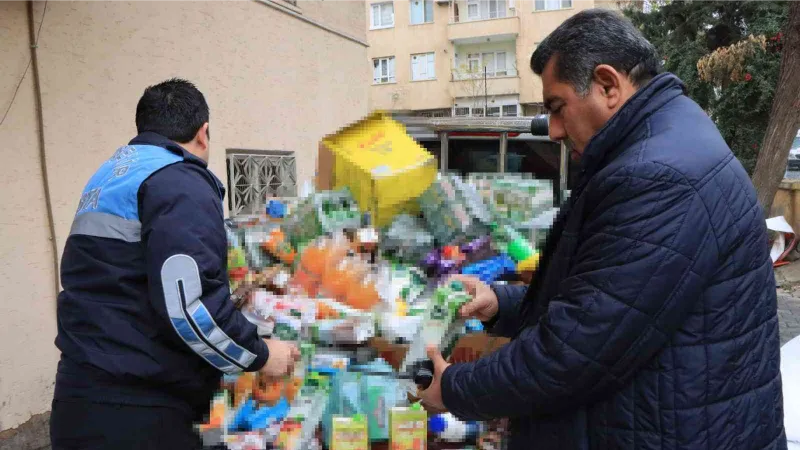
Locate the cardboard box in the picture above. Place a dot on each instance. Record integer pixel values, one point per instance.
(408, 428)
(468, 348)
(382, 166)
(349, 433)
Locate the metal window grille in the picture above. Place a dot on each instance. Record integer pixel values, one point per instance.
(255, 176)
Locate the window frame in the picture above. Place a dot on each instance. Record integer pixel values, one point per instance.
(503, 110)
(477, 5)
(570, 4)
(430, 65)
(425, 4)
(391, 77)
(380, 5)
(257, 189)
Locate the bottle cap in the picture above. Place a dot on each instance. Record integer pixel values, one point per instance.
(437, 424)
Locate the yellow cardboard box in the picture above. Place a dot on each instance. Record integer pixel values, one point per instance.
(382, 166)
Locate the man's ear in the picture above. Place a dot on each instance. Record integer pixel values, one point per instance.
(202, 136)
(609, 80)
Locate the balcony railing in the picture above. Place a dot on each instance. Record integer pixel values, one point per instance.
(478, 75)
(473, 11)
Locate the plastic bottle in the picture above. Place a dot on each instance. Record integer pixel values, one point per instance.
(449, 429)
(364, 295)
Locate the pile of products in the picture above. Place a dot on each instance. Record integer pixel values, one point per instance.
(362, 298)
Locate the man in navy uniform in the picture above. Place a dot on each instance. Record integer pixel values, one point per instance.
(146, 327)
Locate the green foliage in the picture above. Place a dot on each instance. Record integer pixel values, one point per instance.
(686, 31)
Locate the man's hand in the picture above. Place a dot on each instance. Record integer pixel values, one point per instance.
(484, 303)
(282, 356)
(432, 397)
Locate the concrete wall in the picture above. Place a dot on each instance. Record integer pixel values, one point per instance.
(27, 309)
(402, 41)
(273, 82)
(787, 203)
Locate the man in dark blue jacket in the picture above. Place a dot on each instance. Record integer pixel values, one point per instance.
(145, 322)
(651, 323)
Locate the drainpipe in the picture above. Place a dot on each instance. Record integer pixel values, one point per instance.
(42, 157)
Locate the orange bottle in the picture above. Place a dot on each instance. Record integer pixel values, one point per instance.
(278, 246)
(313, 258)
(364, 295)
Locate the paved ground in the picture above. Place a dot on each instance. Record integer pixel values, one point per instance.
(789, 314)
(788, 279)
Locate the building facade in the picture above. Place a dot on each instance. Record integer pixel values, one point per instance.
(278, 76)
(460, 57)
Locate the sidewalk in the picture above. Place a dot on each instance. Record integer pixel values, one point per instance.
(788, 279)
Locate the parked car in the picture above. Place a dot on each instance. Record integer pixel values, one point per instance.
(794, 155)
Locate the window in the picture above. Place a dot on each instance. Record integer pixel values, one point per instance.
(461, 112)
(510, 110)
(477, 112)
(473, 10)
(551, 5)
(254, 176)
(474, 62)
(436, 113)
(422, 67)
(486, 9)
(497, 9)
(383, 70)
(382, 15)
(421, 11)
(494, 62)
(493, 111)
(500, 64)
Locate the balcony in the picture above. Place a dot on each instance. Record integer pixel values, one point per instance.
(480, 21)
(478, 87)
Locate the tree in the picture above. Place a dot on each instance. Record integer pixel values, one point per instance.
(728, 54)
(475, 84)
(472, 84)
(784, 119)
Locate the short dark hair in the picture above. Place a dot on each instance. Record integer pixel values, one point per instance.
(593, 37)
(175, 109)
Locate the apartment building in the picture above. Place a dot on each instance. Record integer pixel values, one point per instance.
(278, 76)
(467, 58)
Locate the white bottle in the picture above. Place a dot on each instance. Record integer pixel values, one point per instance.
(447, 428)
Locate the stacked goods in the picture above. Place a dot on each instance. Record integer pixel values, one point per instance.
(320, 213)
(362, 284)
(406, 239)
(453, 210)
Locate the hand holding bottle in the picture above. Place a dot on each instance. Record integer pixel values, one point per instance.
(484, 303)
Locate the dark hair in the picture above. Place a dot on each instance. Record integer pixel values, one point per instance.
(593, 37)
(175, 109)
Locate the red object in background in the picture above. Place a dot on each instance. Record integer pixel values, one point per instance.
(238, 274)
(452, 253)
(748, 77)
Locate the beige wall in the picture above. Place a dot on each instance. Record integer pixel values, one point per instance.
(401, 42)
(27, 308)
(404, 39)
(272, 81)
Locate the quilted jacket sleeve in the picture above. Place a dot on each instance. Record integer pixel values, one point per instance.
(507, 321)
(640, 261)
(186, 249)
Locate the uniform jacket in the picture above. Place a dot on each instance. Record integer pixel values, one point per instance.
(145, 315)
